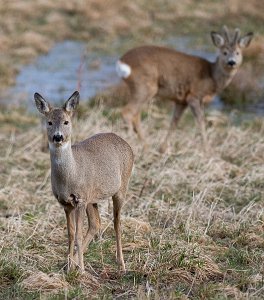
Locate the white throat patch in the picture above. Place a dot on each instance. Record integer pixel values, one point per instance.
(64, 146)
(57, 153)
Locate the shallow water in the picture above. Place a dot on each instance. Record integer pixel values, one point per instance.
(68, 67)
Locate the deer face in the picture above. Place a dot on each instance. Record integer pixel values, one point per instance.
(230, 57)
(230, 47)
(58, 120)
(59, 126)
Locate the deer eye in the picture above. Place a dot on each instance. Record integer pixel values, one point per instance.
(225, 53)
(66, 122)
(237, 53)
(50, 123)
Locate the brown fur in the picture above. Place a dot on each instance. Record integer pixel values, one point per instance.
(185, 79)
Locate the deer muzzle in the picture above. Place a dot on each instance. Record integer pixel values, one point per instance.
(58, 138)
(231, 62)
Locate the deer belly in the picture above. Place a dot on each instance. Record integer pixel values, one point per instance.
(173, 91)
(108, 188)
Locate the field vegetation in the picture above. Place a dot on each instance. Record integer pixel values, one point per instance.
(193, 222)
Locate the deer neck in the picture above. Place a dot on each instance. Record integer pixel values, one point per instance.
(222, 76)
(62, 160)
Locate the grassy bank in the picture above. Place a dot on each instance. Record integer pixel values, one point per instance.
(192, 224)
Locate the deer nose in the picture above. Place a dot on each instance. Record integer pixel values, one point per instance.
(231, 62)
(58, 138)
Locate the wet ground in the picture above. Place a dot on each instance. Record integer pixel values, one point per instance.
(69, 67)
(66, 68)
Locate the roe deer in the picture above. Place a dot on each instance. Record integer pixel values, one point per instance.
(187, 80)
(85, 173)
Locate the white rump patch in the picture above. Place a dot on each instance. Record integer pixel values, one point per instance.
(123, 70)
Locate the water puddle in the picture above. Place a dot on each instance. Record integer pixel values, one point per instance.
(69, 67)
(66, 68)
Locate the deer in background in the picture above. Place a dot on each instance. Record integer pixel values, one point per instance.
(187, 80)
(84, 174)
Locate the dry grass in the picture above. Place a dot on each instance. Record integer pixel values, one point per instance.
(193, 221)
(192, 224)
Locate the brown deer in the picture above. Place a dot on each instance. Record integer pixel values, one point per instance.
(187, 80)
(84, 174)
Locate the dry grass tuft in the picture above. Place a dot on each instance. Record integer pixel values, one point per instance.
(44, 282)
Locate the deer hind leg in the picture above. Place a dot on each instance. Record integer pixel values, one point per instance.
(179, 108)
(131, 112)
(79, 215)
(131, 115)
(127, 114)
(94, 223)
(70, 216)
(137, 126)
(117, 204)
(97, 215)
(198, 112)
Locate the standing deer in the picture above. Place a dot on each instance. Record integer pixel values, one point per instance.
(187, 80)
(84, 174)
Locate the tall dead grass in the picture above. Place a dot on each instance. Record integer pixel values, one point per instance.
(192, 223)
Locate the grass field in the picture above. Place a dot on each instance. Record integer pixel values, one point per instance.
(192, 224)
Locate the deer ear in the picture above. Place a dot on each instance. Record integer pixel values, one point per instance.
(42, 105)
(245, 40)
(71, 104)
(217, 39)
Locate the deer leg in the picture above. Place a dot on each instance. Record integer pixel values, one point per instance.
(179, 108)
(127, 114)
(94, 223)
(69, 211)
(131, 115)
(131, 112)
(137, 126)
(79, 214)
(198, 113)
(117, 204)
(98, 219)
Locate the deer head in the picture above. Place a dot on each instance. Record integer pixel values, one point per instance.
(58, 120)
(230, 47)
